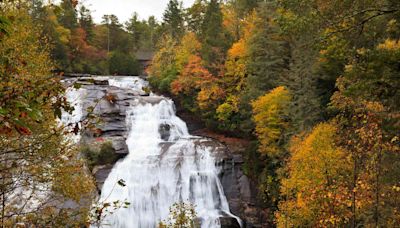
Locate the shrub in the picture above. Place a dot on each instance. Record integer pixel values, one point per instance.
(99, 154)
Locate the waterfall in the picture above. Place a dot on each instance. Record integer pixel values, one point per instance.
(69, 120)
(164, 166)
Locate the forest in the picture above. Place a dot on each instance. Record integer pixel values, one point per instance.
(313, 86)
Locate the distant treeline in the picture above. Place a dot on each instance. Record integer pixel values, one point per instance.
(81, 46)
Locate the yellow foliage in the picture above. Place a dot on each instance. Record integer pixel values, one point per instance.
(269, 112)
(389, 45)
(188, 46)
(44, 157)
(249, 25)
(164, 57)
(209, 96)
(316, 192)
(238, 50)
(62, 33)
(231, 20)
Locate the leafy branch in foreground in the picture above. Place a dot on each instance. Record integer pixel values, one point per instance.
(104, 208)
(181, 215)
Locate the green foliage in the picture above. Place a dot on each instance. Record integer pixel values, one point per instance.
(374, 74)
(67, 14)
(194, 16)
(173, 18)
(99, 154)
(123, 64)
(268, 54)
(163, 68)
(144, 34)
(213, 37)
(86, 22)
(4, 23)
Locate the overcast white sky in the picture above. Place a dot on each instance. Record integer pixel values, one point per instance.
(125, 8)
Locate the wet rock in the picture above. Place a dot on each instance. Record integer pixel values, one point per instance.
(119, 144)
(101, 173)
(76, 75)
(122, 94)
(164, 130)
(229, 222)
(93, 80)
(150, 100)
(105, 107)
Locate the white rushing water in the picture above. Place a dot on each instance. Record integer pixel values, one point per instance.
(70, 120)
(160, 172)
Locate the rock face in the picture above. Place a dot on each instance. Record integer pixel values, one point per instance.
(110, 104)
(240, 192)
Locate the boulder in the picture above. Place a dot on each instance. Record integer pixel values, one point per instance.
(164, 131)
(229, 222)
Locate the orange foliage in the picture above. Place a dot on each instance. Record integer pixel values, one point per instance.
(81, 48)
(192, 77)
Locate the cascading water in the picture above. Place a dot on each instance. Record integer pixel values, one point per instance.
(163, 169)
(69, 120)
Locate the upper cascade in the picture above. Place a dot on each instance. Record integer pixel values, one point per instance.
(165, 165)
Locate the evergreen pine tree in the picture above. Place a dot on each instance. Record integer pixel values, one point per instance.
(86, 22)
(173, 18)
(68, 16)
(268, 55)
(213, 36)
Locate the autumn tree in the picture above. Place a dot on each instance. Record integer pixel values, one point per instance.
(40, 169)
(272, 127)
(271, 117)
(231, 113)
(193, 79)
(163, 68)
(316, 192)
(368, 117)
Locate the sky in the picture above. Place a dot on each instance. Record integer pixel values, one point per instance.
(125, 8)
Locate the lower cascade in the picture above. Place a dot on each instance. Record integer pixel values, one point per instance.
(165, 165)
